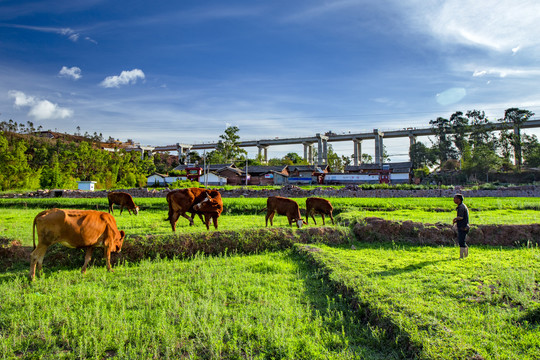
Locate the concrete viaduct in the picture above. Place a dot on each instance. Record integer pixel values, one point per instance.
(322, 142)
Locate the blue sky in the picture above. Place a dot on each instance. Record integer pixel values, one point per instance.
(166, 71)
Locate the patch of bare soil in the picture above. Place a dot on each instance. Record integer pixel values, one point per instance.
(11, 251)
(377, 229)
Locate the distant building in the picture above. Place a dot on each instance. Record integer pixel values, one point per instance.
(267, 175)
(86, 185)
(306, 174)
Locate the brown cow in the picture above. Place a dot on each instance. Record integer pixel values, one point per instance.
(211, 207)
(321, 206)
(283, 206)
(182, 201)
(76, 229)
(124, 200)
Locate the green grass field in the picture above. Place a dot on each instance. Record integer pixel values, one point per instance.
(380, 301)
(484, 307)
(16, 215)
(256, 307)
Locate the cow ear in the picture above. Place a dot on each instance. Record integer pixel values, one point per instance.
(122, 234)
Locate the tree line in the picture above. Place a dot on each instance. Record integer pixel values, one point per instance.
(28, 161)
(463, 142)
(467, 142)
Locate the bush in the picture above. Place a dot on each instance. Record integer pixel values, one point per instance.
(183, 184)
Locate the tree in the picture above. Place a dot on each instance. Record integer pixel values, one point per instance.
(531, 151)
(293, 158)
(517, 117)
(480, 160)
(460, 127)
(480, 128)
(367, 159)
(227, 148)
(442, 128)
(422, 156)
(15, 172)
(335, 162)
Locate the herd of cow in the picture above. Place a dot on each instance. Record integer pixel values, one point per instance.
(89, 229)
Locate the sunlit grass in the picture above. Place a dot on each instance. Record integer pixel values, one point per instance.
(486, 306)
(256, 307)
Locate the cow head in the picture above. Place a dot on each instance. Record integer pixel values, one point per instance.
(300, 222)
(136, 210)
(119, 242)
(209, 204)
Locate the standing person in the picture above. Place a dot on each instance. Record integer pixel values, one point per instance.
(462, 222)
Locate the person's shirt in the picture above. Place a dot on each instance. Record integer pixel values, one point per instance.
(462, 212)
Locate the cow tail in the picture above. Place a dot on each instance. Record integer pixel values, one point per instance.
(34, 233)
(260, 211)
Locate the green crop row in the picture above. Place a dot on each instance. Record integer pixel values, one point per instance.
(249, 205)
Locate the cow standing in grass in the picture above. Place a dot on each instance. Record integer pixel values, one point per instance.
(85, 229)
(183, 201)
(315, 205)
(211, 207)
(124, 200)
(283, 206)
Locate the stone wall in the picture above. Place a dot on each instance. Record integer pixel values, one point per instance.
(296, 192)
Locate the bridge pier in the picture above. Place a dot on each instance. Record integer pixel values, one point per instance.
(322, 149)
(183, 151)
(357, 157)
(379, 147)
(308, 152)
(263, 149)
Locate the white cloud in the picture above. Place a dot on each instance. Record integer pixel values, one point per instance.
(493, 24)
(515, 50)
(70, 33)
(507, 72)
(125, 77)
(72, 72)
(39, 109)
(21, 99)
(91, 40)
(479, 73)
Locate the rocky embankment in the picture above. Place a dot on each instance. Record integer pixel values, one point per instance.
(296, 192)
(376, 229)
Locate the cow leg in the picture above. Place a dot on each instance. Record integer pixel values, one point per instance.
(270, 216)
(331, 217)
(313, 217)
(121, 209)
(214, 218)
(207, 219)
(87, 257)
(173, 218)
(322, 214)
(36, 259)
(191, 223)
(111, 208)
(107, 256)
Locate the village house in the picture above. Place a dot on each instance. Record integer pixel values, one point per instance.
(267, 175)
(306, 174)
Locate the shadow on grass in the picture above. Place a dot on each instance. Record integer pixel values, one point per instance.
(408, 268)
(364, 339)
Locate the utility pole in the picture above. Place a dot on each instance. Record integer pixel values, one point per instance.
(246, 170)
(205, 174)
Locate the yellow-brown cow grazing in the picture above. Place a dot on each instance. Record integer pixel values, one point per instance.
(76, 229)
(315, 205)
